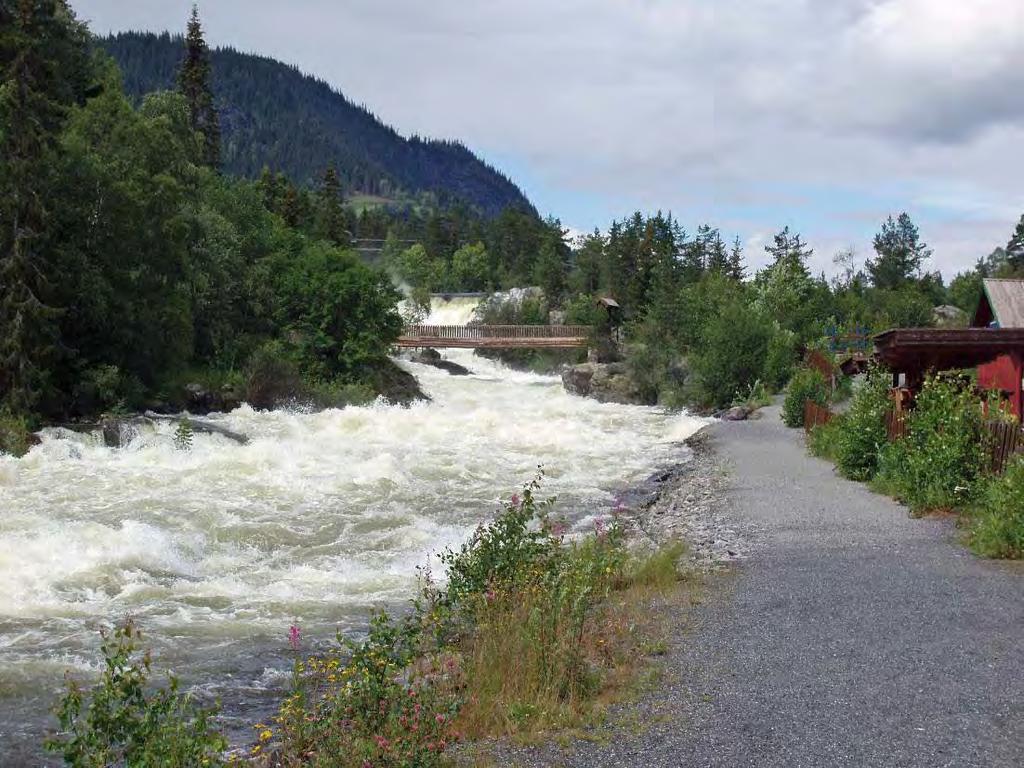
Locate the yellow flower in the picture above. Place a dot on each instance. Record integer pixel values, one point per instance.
(257, 749)
(265, 736)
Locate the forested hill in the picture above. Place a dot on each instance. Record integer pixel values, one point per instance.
(272, 114)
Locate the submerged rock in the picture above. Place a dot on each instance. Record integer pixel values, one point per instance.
(604, 382)
(433, 358)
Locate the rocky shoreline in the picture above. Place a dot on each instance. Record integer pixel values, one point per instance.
(686, 502)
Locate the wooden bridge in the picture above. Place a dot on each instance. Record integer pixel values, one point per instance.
(496, 336)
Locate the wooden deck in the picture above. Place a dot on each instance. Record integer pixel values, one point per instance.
(496, 336)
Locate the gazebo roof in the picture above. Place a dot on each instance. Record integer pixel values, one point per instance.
(923, 349)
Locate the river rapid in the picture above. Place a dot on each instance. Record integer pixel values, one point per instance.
(319, 519)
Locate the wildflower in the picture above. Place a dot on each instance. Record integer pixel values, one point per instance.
(266, 735)
(515, 499)
(294, 637)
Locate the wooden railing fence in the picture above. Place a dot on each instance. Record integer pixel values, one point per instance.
(497, 331)
(496, 336)
(1004, 440)
(895, 424)
(815, 415)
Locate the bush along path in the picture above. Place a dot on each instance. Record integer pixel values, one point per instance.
(853, 635)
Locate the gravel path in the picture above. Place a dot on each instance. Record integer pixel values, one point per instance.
(850, 635)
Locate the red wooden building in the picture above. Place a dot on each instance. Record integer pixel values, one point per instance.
(1002, 306)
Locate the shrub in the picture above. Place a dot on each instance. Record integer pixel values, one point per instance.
(272, 376)
(755, 396)
(806, 384)
(997, 522)
(823, 440)
(732, 353)
(123, 721)
(377, 708)
(862, 430)
(780, 359)
(15, 434)
(107, 388)
(938, 463)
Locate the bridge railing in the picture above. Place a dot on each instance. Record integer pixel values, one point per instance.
(472, 332)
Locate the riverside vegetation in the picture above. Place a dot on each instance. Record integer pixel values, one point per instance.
(531, 632)
(939, 466)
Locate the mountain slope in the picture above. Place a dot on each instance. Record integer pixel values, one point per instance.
(272, 114)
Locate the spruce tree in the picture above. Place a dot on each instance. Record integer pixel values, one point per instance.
(900, 253)
(194, 84)
(330, 213)
(1015, 248)
(736, 269)
(44, 66)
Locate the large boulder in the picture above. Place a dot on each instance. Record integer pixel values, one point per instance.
(604, 382)
(948, 316)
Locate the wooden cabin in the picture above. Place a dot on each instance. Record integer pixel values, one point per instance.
(1002, 306)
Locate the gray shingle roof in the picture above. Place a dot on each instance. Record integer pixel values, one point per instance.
(1006, 297)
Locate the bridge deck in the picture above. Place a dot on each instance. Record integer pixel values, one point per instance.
(495, 336)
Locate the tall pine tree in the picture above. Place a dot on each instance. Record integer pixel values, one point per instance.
(44, 68)
(194, 84)
(900, 253)
(331, 223)
(1015, 248)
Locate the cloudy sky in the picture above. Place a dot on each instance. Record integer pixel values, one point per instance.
(826, 115)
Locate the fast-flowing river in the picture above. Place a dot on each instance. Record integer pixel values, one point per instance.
(320, 518)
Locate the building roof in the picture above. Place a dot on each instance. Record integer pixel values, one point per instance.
(1005, 300)
(608, 301)
(905, 350)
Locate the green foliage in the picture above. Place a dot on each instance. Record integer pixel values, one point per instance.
(938, 463)
(15, 434)
(900, 254)
(124, 721)
(341, 314)
(471, 267)
(194, 84)
(861, 432)
(806, 384)
(184, 435)
(997, 520)
(823, 440)
(734, 347)
(272, 376)
(780, 359)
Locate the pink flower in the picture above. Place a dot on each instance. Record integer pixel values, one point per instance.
(439, 717)
(294, 637)
(515, 499)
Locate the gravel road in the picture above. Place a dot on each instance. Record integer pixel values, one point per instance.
(851, 635)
